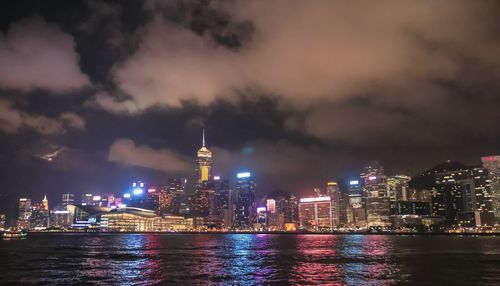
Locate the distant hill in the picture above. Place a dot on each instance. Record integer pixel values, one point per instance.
(427, 179)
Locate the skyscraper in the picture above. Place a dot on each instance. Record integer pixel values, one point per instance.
(24, 213)
(170, 196)
(333, 191)
(377, 198)
(464, 197)
(315, 213)
(204, 162)
(492, 164)
(397, 186)
(398, 190)
(227, 203)
(67, 199)
(45, 203)
(245, 213)
(356, 204)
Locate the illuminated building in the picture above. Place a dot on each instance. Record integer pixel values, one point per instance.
(355, 205)
(61, 217)
(39, 216)
(398, 190)
(377, 197)
(492, 164)
(136, 195)
(412, 208)
(315, 213)
(371, 169)
(170, 196)
(317, 192)
(261, 221)
(87, 200)
(127, 219)
(397, 186)
(462, 194)
(204, 162)
(24, 213)
(290, 226)
(271, 205)
(333, 191)
(200, 200)
(245, 206)
(2, 221)
(275, 220)
(226, 204)
(45, 203)
(288, 206)
(67, 199)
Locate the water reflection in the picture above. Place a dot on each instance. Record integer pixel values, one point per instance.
(246, 259)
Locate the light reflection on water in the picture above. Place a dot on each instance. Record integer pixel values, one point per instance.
(246, 259)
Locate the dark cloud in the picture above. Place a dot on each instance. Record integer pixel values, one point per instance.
(37, 55)
(299, 92)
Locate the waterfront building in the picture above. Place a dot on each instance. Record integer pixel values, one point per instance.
(492, 164)
(261, 219)
(287, 205)
(462, 194)
(61, 217)
(24, 213)
(333, 191)
(39, 216)
(412, 208)
(377, 197)
(315, 213)
(355, 204)
(377, 202)
(275, 219)
(127, 219)
(245, 213)
(3, 222)
(226, 204)
(67, 199)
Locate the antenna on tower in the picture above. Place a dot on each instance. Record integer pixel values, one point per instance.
(203, 137)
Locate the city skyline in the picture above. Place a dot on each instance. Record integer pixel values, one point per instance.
(204, 170)
(453, 195)
(236, 142)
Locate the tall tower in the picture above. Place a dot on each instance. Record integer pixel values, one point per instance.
(45, 203)
(204, 162)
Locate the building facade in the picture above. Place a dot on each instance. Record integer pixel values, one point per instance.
(315, 213)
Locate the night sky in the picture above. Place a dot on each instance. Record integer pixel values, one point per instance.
(95, 94)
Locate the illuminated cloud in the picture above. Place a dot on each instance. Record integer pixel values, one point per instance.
(124, 151)
(343, 70)
(37, 55)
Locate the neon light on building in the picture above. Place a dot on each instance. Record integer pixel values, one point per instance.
(315, 199)
(243, 175)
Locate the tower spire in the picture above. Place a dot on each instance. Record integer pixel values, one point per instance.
(203, 137)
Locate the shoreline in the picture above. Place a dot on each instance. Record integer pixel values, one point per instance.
(265, 233)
